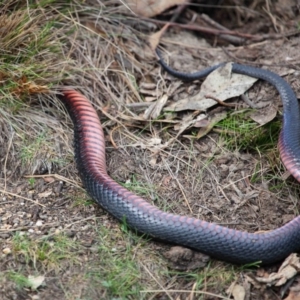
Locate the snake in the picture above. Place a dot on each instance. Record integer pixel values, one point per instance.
(219, 242)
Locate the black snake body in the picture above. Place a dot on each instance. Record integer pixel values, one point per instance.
(219, 242)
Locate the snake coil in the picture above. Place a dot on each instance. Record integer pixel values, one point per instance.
(219, 242)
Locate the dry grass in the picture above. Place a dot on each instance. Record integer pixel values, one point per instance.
(32, 62)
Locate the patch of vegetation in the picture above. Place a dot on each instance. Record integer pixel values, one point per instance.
(207, 277)
(240, 132)
(30, 55)
(138, 187)
(19, 279)
(48, 252)
(118, 272)
(32, 42)
(31, 147)
(31, 181)
(148, 191)
(85, 201)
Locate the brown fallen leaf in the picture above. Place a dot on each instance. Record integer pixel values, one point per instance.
(213, 121)
(220, 84)
(237, 291)
(188, 121)
(289, 268)
(154, 110)
(155, 38)
(264, 115)
(151, 8)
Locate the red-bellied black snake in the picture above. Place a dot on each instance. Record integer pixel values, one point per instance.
(220, 242)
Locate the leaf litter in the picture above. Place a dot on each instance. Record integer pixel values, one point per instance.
(221, 84)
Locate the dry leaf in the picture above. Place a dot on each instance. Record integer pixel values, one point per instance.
(213, 121)
(289, 268)
(155, 38)
(153, 161)
(221, 84)
(187, 121)
(293, 295)
(264, 116)
(237, 291)
(154, 142)
(45, 194)
(35, 281)
(154, 110)
(151, 8)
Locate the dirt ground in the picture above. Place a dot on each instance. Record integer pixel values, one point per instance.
(50, 228)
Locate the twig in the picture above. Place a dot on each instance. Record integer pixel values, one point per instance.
(59, 177)
(268, 11)
(205, 29)
(182, 191)
(111, 138)
(220, 101)
(178, 11)
(255, 38)
(138, 105)
(24, 198)
(157, 282)
(230, 38)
